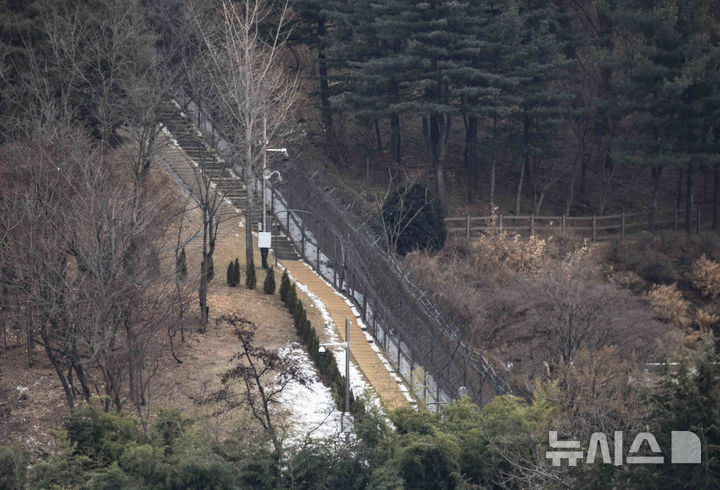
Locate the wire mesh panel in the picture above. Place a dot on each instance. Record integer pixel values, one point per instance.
(336, 233)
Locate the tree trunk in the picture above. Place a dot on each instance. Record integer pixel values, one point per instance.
(324, 86)
(492, 169)
(688, 200)
(525, 163)
(678, 194)
(571, 190)
(716, 197)
(471, 159)
(69, 397)
(395, 136)
(433, 133)
(492, 186)
(518, 196)
(655, 173)
(204, 271)
(378, 136)
(249, 205)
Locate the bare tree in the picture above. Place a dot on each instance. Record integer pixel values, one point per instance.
(263, 375)
(94, 299)
(254, 94)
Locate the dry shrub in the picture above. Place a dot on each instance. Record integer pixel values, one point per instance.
(547, 313)
(568, 310)
(706, 318)
(705, 276)
(668, 304)
(497, 250)
(593, 393)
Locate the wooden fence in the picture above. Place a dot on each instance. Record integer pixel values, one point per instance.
(594, 227)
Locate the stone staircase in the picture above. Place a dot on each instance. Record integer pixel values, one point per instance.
(221, 174)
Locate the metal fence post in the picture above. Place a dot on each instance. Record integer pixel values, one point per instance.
(317, 246)
(335, 263)
(273, 226)
(412, 366)
(302, 231)
(532, 224)
(364, 305)
(564, 218)
(622, 225)
(467, 227)
(399, 366)
(500, 221)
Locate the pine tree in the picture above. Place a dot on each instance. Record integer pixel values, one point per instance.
(426, 64)
(231, 274)
(292, 299)
(236, 271)
(542, 104)
(269, 283)
(482, 80)
(688, 398)
(284, 287)
(416, 216)
(369, 45)
(310, 29)
(250, 279)
(672, 91)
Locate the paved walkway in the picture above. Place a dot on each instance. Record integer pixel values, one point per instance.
(362, 354)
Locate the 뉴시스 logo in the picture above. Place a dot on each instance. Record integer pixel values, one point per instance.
(685, 449)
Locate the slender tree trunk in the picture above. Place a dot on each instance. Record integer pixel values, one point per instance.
(249, 205)
(688, 200)
(433, 132)
(492, 169)
(378, 136)
(69, 396)
(324, 85)
(571, 190)
(656, 173)
(471, 159)
(678, 193)
(204, 271)
(518, 196)
(525, 163)
(492, 186)
(395, 136)
(716, 197)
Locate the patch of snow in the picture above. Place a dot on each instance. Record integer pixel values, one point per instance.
(313, 413)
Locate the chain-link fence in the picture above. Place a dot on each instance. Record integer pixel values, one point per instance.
(335, 233)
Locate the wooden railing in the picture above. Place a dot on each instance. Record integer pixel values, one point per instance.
(594, 227)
